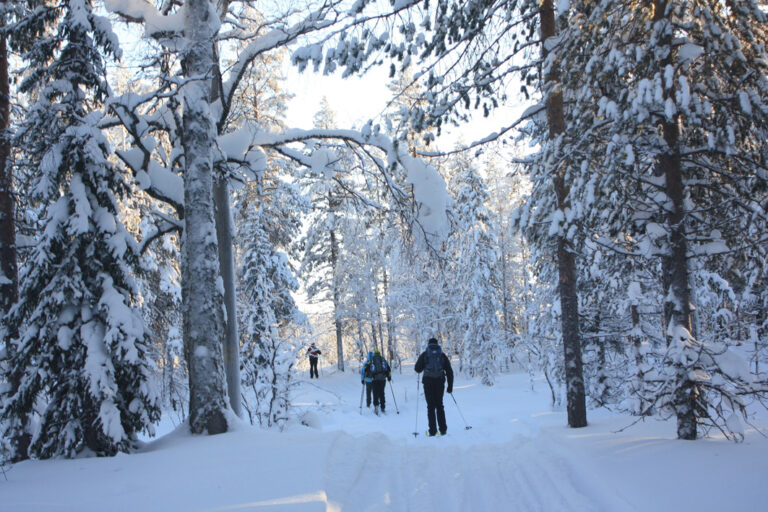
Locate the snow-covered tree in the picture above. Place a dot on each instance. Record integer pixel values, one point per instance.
(267, 356)
(476, 281)
(79, 365)
(667, 100)
(195, 35)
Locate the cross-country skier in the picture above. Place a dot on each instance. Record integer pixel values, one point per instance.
(436, 367)
(313, 352)
(380, 373)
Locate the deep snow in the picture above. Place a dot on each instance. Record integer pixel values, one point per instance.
(518, 455)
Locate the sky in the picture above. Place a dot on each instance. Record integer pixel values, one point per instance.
(356, 99)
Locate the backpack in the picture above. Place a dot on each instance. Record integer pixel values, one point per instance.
(378, 367)
(434, 366)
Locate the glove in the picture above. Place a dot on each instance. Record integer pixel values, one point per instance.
(362, 382)
(450, 389)
(389, 378)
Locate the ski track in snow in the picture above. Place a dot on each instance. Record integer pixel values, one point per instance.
(373, 473)
(467, 470)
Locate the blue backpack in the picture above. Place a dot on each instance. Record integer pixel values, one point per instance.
(434, 367)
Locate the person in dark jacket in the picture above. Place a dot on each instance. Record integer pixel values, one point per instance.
(313, 352)
(366, 377)
(436, 367)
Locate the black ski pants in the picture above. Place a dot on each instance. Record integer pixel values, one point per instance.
(368, 393)
(313, 367)
(378, 392)
(433, 392)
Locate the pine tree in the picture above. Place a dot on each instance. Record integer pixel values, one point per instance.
(681, 168)
(80, 359)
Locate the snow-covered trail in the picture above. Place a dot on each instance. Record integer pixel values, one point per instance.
(375, 463)
(519, 455)
(374, 473)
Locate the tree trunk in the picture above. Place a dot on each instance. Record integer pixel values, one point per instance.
(225, 237)
(678, 297)
(203, 307)
(224, 233)
(336, 299)
(391, 341)
(569, 303)
(9, 271)
(9, 278)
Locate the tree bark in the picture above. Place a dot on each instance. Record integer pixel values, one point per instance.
(9, 275)
(569, 303)
(224, 233)
(391, 341)
(336, 299)
(203, 308)
(225, 237)
(678, 296)
(9, 270)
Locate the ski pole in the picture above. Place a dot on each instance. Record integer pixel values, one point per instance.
(466, 427)
(416, 427)
(362, 390)
(393, 397)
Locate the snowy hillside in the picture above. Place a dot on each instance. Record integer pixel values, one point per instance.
(518, 455)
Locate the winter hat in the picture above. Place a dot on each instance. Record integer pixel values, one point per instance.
(432, 341)
(377, 352)
(370, 355)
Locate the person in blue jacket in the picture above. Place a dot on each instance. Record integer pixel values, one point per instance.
(366, 377)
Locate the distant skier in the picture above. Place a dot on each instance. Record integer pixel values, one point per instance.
(380, 373)
(436, 367)
(366, 377)
(313, 352)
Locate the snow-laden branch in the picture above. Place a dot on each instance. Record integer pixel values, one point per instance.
(429, 190)
(275, 38)
(156, 24)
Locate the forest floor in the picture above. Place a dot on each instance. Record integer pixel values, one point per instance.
(518, 455)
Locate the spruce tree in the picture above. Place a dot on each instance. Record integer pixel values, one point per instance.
(79, 362)
(476, 280)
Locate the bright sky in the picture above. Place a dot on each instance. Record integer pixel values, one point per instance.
(355, 100)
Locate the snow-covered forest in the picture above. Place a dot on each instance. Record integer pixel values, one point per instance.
(171, 245)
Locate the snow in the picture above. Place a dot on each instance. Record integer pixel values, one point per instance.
(154, 21)
(519, 455)
(430, 193)
(689, 51)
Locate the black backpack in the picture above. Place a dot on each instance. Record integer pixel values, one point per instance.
(378, 367)
(434, 367)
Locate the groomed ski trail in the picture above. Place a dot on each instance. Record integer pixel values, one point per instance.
(375, 473)
(375, 464)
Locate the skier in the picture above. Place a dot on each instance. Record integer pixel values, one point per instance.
(380, 371)
(366, 377)
(436, 367)
(313, 352)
